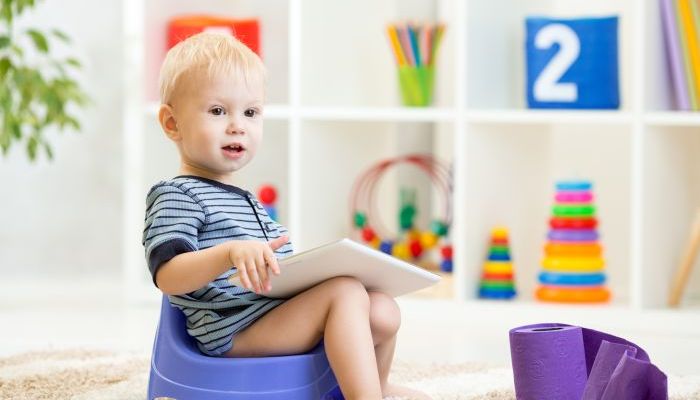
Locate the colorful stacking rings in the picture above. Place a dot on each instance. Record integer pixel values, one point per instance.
(572, 268)
(497, 277)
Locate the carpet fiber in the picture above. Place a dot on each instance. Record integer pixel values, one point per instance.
(82, 375)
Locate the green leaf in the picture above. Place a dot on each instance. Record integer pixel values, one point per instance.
(17, 50)
(16, 130)
(47, 149)
(74, 62)
(60, 35)
(32, 144)
(39, 40)
(4, 41)
(5, 65)
(6, 11)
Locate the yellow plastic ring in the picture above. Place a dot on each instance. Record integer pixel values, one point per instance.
(498, 267)
(597, 294)
(573, 264)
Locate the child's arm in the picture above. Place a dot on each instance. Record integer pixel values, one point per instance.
(190, 271)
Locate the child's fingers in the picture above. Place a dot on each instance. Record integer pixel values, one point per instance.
(271, 261)
(253, 274)
(279, 242)
(262, 272)
(245, 281)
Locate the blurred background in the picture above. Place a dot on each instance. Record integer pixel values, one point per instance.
(443, 93)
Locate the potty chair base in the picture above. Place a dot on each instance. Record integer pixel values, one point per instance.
(180, 371)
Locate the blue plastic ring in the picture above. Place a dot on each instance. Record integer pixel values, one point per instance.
(574, 185)
(552, 278)
(499, 257)
(496, 293)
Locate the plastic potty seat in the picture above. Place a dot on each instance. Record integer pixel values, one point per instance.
(180, 371)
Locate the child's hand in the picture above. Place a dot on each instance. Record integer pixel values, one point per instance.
(252, 258)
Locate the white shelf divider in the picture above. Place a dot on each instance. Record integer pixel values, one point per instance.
(532, 116)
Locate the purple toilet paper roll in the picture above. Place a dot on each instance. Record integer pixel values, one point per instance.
(562, 362)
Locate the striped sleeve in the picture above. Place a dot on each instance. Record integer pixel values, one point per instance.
(173, 221)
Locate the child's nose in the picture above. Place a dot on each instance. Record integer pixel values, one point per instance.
(235, 126)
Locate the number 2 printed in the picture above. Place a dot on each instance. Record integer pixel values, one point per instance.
(547, 86)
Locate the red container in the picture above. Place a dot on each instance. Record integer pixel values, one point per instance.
(245, 30)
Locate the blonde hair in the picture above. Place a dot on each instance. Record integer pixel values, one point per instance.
(217, 52)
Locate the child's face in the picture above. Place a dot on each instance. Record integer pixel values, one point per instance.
(219, 123)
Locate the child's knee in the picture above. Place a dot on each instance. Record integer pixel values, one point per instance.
(347, 289)
(384, 315)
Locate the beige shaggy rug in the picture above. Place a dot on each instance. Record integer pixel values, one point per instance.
(99, 375)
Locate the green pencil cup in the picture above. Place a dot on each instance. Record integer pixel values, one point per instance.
(416, 85)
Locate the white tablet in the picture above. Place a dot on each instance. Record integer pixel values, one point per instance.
(376, 270)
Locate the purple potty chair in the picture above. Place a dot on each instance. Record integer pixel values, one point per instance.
(180, 371)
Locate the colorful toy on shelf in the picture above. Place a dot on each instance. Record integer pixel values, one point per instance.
(497, 277)
(415, 49)
(572, 63)
(573, 265)
(411, 244)
(267, 196)
(245, 30)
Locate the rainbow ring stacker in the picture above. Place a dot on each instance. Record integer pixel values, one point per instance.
(573, 235)
(573, 264)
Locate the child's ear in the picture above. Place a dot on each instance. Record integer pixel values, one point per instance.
(166, 117)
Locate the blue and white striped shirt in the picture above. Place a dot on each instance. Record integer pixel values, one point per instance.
(190, 213)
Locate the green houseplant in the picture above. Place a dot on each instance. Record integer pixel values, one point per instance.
(36, 89)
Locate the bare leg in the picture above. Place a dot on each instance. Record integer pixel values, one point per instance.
(385, 319)
(336, 310)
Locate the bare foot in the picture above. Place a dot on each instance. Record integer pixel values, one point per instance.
(391, 390)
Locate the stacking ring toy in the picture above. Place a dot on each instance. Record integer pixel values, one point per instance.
(565, 249)
(573, 264)
(578, 210)
(573, 197)
(574, 294)
(573, 223)
(498, 268)
(572, 235)
(550, 278)
(574, 185)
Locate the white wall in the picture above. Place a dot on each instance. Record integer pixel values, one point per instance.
(64, 217)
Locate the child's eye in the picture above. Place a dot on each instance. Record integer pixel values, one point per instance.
(251, 112)
(217, 110)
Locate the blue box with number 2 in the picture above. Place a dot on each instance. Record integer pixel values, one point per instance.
(572, 63)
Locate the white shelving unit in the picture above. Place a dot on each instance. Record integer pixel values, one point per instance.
(334, 110)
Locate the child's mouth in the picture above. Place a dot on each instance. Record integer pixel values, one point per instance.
(233, 151)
